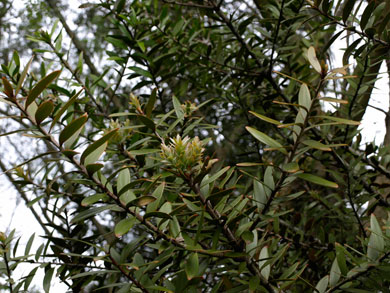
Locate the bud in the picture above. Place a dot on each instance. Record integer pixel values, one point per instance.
(2, 237)
(184, 154)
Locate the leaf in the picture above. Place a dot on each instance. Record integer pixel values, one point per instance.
(147, 122)
(304, 98)
(151, 102)
(192, 266)
(44, 110)
(87, 201)
(124, 178)
(317, 180)
(376, 242)
(144, 152)
(341, 120)
(311, 55)
(23, 76)
(347, 9)
(141, 71)
(334, 100)
(214, 177)
(366, 14)
(91, 212)
(96, 147)
(323, 284)
(41, 86)
(316, 145)
(262, 137)
(178, 109)
(47, 280)
(141, 201)
(157, 215)
(64, 108)
(341, 261)
(124, 226)
(28, 245)
(335, 273)
(264, 118)
(95, 155)
(291, 167)
(8, 90)
(263, 257)
(73, 129)
(92, 168)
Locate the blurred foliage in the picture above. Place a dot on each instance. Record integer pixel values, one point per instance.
(198, 146)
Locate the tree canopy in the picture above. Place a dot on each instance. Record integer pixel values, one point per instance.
(187, 146)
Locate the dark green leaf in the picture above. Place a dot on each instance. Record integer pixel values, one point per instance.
(41, 86)
(95, 145)
(44, 110)
(73, 128)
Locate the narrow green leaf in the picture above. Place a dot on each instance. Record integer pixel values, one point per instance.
(124, 226)
(366, 14)
(141, 71)
(95, 145)
(341, 120)
(304, 98)
(44, 110)
(192, 266)
(334, 100)
(312, 57)
(264, 118)
(151, 102)
(144, 152)
(41, 86)
(157, 215)
(341, 261)
(29, 278)
(347, 9)
(92, 212)
(262, 137)
(147, 122)
(23, 76)
(178, 109)
(29, 243)
(64, 108)
(47, 280)
(316, 145)
(214, 177)
(317, 180)
(73, 127)
(93, 199)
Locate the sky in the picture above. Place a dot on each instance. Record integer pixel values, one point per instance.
(16, 215)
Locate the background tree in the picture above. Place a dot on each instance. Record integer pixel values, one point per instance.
(222, 168)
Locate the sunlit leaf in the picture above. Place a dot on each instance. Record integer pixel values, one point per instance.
(317, 180)
(124, 226)
(262, 137)
(95, 149)
(73, 128)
